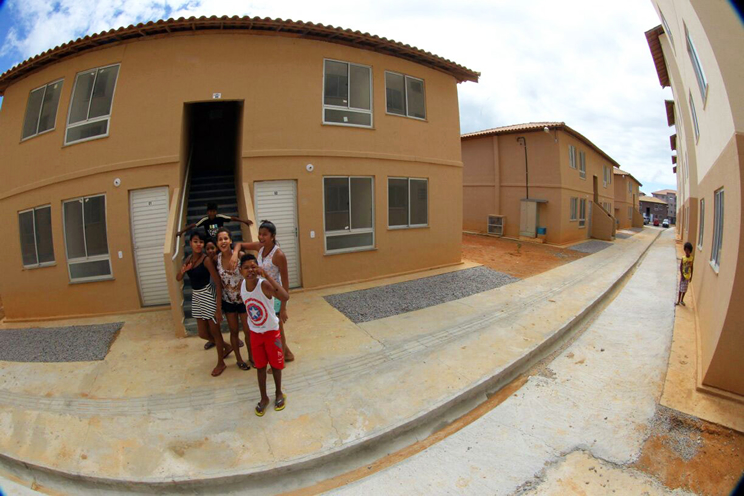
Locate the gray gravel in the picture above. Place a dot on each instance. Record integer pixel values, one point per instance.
(58, 344)
(623, 235)
(592, 246)
(680, 432)
(385, 301)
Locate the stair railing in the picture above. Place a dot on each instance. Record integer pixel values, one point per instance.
(183, 201)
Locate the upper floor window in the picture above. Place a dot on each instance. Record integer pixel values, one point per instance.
(405, 95)
(86, 239)
(696, 65)
(347, 94)
(715, 253)
(630, 186)
(41, 109)
(408, 202)
(582, 165)
(695, 124)
(90, 105)
(35, 226)
(701, 225)
(667, 30)
(572, 156)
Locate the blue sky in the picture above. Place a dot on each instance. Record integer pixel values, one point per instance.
(585, 62)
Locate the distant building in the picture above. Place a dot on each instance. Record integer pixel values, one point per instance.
(627, 213)
(537, 180)
(653, 208)
(669, 196)
(697, 50)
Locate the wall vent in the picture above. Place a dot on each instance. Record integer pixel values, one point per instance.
(496, 224)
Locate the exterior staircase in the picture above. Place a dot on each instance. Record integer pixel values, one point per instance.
(220, 189)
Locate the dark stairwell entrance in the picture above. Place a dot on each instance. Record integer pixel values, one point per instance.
(213, 134)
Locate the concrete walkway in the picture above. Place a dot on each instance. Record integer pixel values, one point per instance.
(149, 417)
(572, 429)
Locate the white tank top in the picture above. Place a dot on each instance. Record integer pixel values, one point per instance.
(268, 265)
(260, 309)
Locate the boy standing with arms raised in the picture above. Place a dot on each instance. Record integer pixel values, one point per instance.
(257, 291)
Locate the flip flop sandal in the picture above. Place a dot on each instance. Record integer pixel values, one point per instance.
(244, 366)
(280, 403)
(218, 373)
(260, 411)
(208, 345)
(240, 343)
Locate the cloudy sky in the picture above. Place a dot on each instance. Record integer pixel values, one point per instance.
(584, 62)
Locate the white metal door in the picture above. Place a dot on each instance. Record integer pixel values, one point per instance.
(149, 217)
(277, 201)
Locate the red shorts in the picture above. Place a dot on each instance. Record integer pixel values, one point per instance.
(267, 348)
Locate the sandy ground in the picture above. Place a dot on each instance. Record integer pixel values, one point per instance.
(514, 258)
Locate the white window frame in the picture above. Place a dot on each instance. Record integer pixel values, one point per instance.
(697, 66)
(630, 187)
(695, 123)
(582, 165)
(573, 209)
(41, 107)
(405, 96)
(582, 212)
(95, 258)
(95, 119)
(604, 176)
(36, 242)
(572, 156)
(347, 107)
(718, 213)
(701, 225)
(408, 192)
(365, 230)
(667, 30)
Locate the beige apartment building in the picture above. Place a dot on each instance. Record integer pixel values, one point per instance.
(540, 180)
(349, 142)
(626, 200)
(697, 52)
(670, 197)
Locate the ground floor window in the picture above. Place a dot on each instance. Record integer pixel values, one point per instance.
(574, 208)
(35, 226)
(408, 202)
(348, 204)
(86, 239)
(582, 212)
(715, 254)
(701, 227)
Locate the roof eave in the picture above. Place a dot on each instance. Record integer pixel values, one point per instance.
(654, 44)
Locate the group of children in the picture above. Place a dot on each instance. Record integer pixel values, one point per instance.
(250, 290)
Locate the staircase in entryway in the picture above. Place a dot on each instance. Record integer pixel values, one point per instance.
(217, 187)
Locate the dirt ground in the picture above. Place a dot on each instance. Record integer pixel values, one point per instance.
(514, 258)
(689, 453)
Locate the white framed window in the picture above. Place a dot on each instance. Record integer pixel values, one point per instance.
(573, 209)
(695, 124)
(90, 106)
(349, 216)
(630, 186)
(35, 227)
(697, 66)
(667, 30)
(701, 224)
(408, 202)
(572, 156)
(605, 180)
(582, 212)
(582, 165)
(41, 110)
(347, 94)
(86, 240)
(715, 253)
(405, 95)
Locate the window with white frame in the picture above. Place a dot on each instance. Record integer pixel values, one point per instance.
(667, 30)
(582, 212)
(715, 254)
(408, 202)
(695, 125)
(572, 156)
(630, 186)
(347, 94)
(41, 109)
(90, 105)
(405, 95)
(701, 225)
(574, 206)
(348, 204)
(582, 165)
(696, 65)
(605, 180)
(35, 226)
(86, 240)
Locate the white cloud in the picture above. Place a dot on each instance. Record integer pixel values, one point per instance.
(583, 62)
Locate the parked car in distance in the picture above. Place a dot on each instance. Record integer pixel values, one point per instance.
(665, 223)
(645, 219)
(656, 222)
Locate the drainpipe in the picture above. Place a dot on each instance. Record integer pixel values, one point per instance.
(523, 141)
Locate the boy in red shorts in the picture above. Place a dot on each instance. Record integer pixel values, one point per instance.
(258, 291)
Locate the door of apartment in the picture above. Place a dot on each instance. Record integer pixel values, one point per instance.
(528, 219)
(149, 217)
(277, 201)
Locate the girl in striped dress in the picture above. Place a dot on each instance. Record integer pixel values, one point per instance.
(206, 303)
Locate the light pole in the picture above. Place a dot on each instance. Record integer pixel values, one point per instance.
(523, 141)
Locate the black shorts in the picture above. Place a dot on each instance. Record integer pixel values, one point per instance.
(228, 307)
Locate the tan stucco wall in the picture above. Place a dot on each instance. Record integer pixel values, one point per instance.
(279, 79)
(625, 199)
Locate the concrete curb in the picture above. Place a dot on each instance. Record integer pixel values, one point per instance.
(490, 383)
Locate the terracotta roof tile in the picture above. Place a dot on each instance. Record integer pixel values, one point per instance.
(652, 37)
(651, 199)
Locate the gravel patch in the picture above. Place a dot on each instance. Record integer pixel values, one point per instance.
(592, 246)
(58, 344)
(385, 301)
(623, 235)
(680, 432)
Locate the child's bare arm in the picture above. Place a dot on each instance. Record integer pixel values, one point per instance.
(276, 290)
